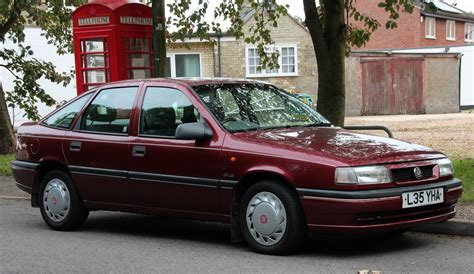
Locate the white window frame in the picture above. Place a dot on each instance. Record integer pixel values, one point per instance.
(430, 27)
(469, 32)
(263, 73)
(172, 57)
(450, 30)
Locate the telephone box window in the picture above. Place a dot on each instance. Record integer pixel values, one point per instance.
(92, 45)
(139, 58)
(94, 59)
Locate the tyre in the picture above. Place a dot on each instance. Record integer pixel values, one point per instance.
(271, 219)
(60, 205)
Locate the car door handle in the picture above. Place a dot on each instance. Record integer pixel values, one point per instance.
(75, 146)
(138, 151)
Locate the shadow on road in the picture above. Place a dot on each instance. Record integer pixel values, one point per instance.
(158, 226)
(219, 234)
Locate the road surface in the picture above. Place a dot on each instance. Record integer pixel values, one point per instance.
(119, 242)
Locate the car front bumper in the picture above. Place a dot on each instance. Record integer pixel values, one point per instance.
(370, 211)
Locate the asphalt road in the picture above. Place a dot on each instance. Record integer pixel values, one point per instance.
(119, 242)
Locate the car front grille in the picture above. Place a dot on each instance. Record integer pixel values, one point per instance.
(407, 174)
(405, 214)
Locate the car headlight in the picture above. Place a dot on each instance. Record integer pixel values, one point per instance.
(363, 175)
(445, 167)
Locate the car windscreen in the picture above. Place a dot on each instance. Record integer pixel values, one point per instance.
(254, 106)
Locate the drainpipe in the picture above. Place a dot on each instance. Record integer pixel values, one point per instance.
(460, 76)
(219, 72)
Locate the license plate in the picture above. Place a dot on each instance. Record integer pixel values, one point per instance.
(423, 197)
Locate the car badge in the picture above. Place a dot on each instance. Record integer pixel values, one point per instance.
(417, 172)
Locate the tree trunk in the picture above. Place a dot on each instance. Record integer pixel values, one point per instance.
(332, 87)
(159, 38)
(6, 129)
(329, 43)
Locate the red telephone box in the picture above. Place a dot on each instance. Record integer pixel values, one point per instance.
(112, 41)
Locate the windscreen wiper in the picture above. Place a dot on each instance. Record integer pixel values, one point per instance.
(318, 124)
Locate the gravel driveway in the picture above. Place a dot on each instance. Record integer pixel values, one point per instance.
(452, 134)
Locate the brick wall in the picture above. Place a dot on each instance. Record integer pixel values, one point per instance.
(288, 31)
(405, 36)
(353, 86)
(441, 84)
(410, 32)
(441, 35)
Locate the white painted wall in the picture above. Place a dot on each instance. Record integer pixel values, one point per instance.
(45, 52)
(467, 69)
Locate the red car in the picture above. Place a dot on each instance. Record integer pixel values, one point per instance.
(241, 152)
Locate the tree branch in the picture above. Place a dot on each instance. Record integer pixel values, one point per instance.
(313, 23)
(10, 21)
(8, 68)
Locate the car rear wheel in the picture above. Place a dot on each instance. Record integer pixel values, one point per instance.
(271, 219)
(60, 205)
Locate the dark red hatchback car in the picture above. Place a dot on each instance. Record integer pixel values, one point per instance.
(235, 151)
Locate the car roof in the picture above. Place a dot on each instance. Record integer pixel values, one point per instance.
(193, 81)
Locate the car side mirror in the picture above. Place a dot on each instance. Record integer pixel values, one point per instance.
(193, 131)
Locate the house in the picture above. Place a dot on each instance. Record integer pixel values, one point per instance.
(433, 27)
(433, 23)
(231, 57)
(376, 83)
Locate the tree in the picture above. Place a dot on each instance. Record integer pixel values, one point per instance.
(159, 38)
(335, 26)
(54, 19)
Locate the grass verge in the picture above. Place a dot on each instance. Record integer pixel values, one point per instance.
(5, 164)
(464, 170)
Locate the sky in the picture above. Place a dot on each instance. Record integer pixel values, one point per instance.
(296, 6)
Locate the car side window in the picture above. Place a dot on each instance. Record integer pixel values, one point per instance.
(163, 110)
(110, 111)
(64, 117)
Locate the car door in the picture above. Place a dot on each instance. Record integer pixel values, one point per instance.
(168, 173)
(97, 150)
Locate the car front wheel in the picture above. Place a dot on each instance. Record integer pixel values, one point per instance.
(60, 205)
(271, 219)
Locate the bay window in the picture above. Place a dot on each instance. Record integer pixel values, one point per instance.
(287, 61)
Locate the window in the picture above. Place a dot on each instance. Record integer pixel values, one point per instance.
(451, 30)
(183, 65)
(163, 110)
(139, 58)
(244, 107)
(287, 61)
(430, 28)
(64, 117)
(469, 32)
(110, 111)
(95, 62)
